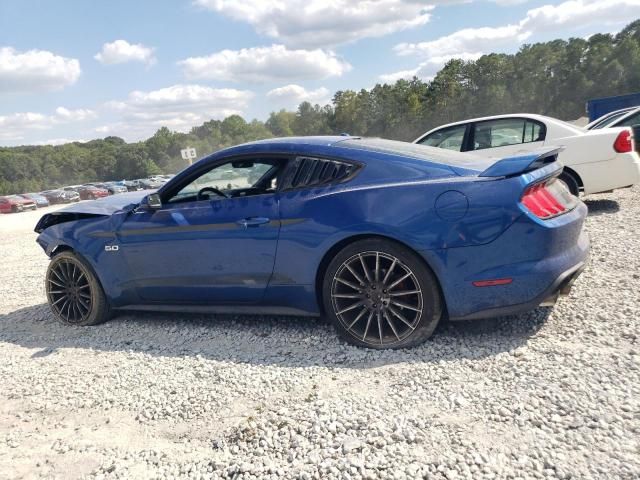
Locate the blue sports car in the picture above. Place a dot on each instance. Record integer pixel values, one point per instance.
(383, 237)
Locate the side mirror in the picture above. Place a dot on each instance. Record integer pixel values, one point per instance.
(153, 201)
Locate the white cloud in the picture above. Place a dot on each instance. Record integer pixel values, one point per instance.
(427, 70)
(313, 23)
(471, 43)
(35, 70)
(292, 95)
(580, 13)
(122, 51)
(508, 3)
(14, 126)
(466, 40)
(59, 141)
(64, 115)
(265, 64)
(178, 107)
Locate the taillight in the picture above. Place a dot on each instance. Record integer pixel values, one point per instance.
(548, 199)
(624, 142)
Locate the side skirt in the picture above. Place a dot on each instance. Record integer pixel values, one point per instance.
(223, 309)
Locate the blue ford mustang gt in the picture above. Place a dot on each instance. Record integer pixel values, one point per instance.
(383, 237)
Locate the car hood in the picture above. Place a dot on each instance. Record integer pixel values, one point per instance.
(107, 205)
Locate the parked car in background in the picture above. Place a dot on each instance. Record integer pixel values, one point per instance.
(594, 160)
(150, 184)
(159, 178)
(131, 185)
(111, 187)
(61, 196)
(71, 188)
(384, 237)
(115, 187)
(627, 117)
(16, 203)
(54, 196)
(90, 192)
(41, 200)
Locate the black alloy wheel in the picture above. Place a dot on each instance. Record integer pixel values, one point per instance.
(74, 294)
(383, 297)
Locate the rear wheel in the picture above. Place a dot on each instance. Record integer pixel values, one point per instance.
(73, 291)
(570, 181)
(381, 295)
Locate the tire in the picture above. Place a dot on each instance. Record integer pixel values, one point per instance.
(377, 320)
(571, 182)
(74, 293)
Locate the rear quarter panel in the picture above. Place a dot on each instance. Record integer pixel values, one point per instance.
(313, 221)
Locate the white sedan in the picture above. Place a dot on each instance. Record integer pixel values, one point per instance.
(595, 160)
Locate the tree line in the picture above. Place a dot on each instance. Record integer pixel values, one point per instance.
(553, 78)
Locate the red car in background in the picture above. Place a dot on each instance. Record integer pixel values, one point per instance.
(14, 203)
(89, 192)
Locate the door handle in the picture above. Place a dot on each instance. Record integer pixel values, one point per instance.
(253, 221)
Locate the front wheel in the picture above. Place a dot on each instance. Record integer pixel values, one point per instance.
(73, 291)
(379, 294)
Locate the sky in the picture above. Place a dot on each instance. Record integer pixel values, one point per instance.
(75, 70)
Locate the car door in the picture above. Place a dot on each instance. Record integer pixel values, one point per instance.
(501, 137)
(206, 249)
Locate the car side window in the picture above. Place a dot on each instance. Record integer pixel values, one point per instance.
(506, 131)
(450, 138)
(235, 178)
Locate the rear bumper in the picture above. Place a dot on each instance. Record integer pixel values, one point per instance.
(540, 260)
(559, 287)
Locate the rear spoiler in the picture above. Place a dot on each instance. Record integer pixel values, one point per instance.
(519, 164)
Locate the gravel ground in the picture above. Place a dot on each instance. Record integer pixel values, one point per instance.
(551, 394)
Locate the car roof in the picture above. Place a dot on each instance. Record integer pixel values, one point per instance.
(310, 140)
(561, 124)
(360, 149)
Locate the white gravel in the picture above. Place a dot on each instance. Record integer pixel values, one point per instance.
(552, 394)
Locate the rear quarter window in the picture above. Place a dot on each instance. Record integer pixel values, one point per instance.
(311, 172)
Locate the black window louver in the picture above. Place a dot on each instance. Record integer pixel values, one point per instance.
(309, 172)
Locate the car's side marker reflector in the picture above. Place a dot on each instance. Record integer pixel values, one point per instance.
(491, 283)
